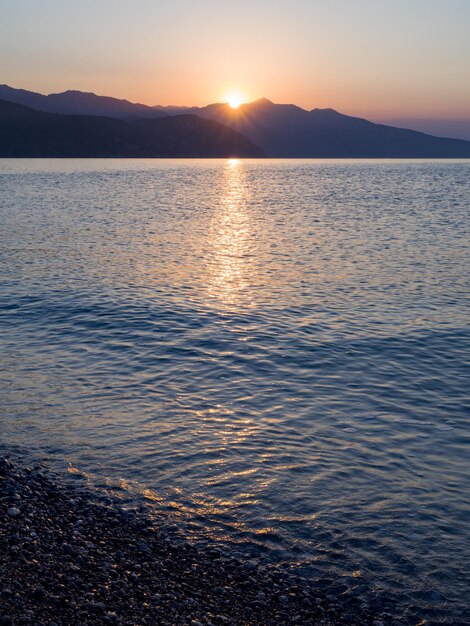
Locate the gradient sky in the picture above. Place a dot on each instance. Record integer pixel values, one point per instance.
(374, 58)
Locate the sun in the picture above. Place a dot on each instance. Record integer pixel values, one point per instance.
(234, 100)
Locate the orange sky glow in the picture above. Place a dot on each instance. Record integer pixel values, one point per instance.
(365, 58)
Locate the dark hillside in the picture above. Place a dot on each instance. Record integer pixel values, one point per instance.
(28, 133)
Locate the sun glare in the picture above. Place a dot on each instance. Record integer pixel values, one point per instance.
(234, 100)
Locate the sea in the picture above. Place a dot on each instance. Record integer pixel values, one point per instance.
(271, 356)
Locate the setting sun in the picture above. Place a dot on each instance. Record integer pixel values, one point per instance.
(234, 100)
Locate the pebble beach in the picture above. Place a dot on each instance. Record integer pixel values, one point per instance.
(65, 559)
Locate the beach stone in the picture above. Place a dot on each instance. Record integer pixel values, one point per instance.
(13, 511)
(6, 464)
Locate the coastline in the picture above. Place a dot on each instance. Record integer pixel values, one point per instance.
(66, 559)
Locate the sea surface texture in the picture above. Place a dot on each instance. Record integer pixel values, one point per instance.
(272, 355)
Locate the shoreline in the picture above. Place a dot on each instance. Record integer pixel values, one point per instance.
(66, 559)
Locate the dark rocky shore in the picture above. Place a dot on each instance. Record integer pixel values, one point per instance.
(66, 559)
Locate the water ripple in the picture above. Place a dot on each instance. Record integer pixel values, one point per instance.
(274, 354)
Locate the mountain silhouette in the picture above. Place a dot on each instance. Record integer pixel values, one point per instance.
(25, 132)
(280, 130)
(286, 130)
(78, 102)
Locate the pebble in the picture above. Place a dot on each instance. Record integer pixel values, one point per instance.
(13, 511)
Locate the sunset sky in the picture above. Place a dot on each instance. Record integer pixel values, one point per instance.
(371, 58)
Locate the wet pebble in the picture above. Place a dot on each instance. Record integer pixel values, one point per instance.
(13, 511)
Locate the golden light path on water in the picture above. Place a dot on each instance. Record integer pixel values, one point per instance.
(230, 238)
(233, 278)
(227, 269)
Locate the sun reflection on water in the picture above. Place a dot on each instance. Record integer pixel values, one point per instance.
(230, 238)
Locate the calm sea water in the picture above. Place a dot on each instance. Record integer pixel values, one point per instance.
(273, 353)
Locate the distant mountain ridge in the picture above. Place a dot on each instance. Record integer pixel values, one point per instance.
(286, 130)
(78, 102)
(25, 132)
(279, 130)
